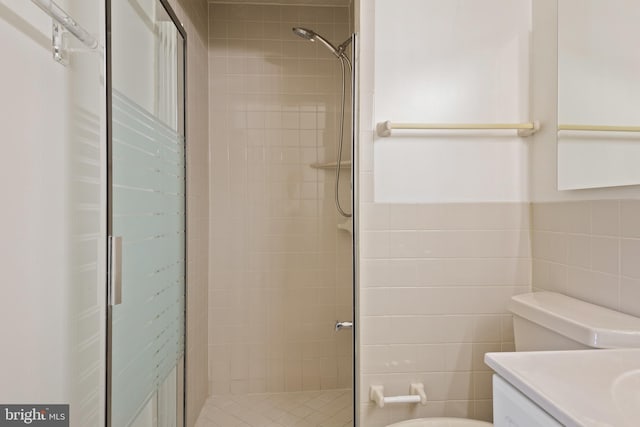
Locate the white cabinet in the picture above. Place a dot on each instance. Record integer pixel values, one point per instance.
(511, 408)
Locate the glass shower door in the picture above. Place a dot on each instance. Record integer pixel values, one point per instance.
(147, 215)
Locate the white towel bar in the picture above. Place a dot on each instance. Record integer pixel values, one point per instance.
(599, 128)
(524, 129)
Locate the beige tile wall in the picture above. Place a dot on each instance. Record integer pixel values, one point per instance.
(193, 15)
(434, 286)
(589, 250)
(280, 269)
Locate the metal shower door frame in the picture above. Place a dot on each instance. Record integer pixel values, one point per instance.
(355, 218)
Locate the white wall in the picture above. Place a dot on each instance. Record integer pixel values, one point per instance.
(451, 62)
(439, 258)
(52, 224)
(587, 249)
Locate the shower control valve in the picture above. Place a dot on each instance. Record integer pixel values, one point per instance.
(343, 325)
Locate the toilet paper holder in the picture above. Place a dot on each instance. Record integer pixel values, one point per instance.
(416, 395)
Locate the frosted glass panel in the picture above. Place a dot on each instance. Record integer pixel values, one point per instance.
(148, 202)
(147, 210)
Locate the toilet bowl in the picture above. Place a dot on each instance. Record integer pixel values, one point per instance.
(441, 422)
(550, 321)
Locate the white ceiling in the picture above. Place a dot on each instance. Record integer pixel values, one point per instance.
(290, 2)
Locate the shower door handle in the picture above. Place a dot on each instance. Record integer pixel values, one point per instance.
(114, 272)
(343, 325)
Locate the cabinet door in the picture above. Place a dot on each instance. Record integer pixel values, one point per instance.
(513, 409)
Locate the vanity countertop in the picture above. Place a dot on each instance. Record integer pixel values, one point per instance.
(579, 388)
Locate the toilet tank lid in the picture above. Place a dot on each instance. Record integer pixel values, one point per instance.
(586, 323)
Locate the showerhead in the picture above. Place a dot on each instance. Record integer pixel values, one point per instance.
(304, 33)
(313, 36)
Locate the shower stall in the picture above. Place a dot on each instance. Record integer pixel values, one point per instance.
(95, 239)
(281, 269)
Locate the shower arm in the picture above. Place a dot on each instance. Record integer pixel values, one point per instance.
(327, 44)
(341, 52)
(343, 46)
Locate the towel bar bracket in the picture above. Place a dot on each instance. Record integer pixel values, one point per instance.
(62, 26)
(59, 43)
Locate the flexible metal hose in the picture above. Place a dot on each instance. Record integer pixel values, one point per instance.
(343, 59)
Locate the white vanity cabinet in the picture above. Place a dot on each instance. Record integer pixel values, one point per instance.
(576, 388)
(513, 409)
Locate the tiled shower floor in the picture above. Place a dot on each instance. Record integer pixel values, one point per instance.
(327, 408)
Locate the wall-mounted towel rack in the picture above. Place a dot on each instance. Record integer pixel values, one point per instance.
(599, 128)
(524, 129)
(64, 23)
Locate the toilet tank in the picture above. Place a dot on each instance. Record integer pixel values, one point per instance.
(551, 321)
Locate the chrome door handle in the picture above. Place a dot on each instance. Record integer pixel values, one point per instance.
(114, 271)
(343, 325)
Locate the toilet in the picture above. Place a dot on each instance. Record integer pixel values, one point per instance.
(552, 321)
